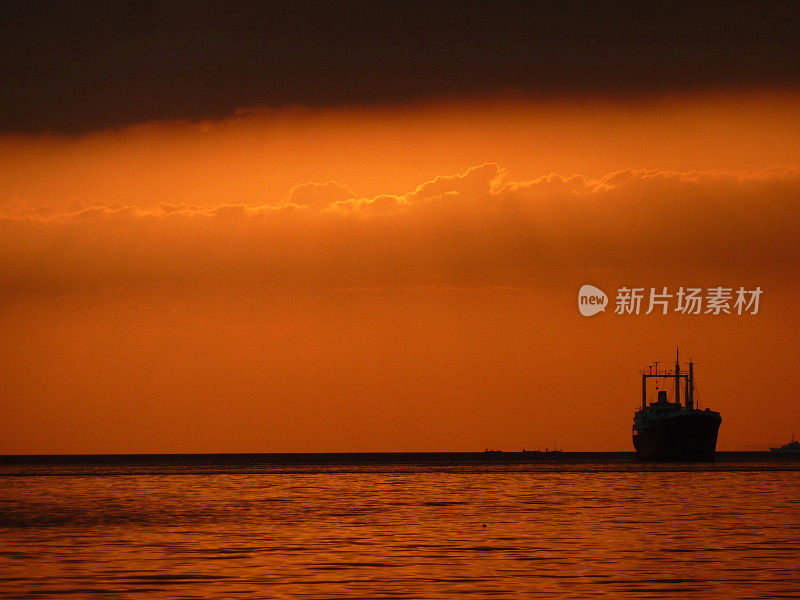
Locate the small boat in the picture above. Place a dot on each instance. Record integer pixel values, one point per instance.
(792, 447)
(545, 452)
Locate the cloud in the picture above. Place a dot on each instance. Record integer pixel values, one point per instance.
(116, 64)
(319, 194)
(476, 182)
(475, 228)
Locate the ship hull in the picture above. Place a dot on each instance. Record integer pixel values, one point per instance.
(682, 436)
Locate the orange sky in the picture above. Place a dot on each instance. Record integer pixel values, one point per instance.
(396, 278)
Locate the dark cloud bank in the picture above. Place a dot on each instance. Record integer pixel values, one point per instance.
(77, 66)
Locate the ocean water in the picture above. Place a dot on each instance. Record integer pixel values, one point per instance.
(399, 526)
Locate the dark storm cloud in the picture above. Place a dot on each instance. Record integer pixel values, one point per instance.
(78, 66)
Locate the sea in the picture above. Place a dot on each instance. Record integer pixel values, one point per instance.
(411, 526)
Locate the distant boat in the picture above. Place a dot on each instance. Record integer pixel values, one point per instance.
(664, 430)
(488, 451)
(545, 452)
(792, 447)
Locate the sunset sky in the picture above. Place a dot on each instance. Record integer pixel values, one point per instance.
(323, 227)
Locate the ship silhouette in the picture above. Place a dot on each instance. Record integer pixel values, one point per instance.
(792, 447)
(668, 430)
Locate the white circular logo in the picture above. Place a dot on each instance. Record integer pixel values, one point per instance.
(591, 300)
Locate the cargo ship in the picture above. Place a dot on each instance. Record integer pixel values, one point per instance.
(667, 430)
(792, 447)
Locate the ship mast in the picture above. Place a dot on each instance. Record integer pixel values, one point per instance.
(644, 389)
(677, 378)
(653, 371)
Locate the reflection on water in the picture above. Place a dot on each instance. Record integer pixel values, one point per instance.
(221, 528)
